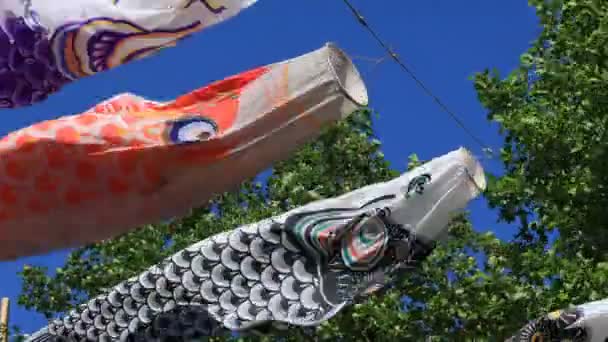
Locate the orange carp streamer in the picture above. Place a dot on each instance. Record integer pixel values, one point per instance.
(130, 161)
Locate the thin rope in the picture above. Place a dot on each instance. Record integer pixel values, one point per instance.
(485, 148)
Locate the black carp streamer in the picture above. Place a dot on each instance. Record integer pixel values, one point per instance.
(297, 269)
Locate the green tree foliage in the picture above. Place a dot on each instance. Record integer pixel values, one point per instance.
(473, 285)
(553, 111)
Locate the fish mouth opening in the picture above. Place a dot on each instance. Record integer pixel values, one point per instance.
(347, 75)
(474, 171)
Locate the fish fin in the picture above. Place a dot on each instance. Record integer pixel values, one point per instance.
(42, 335)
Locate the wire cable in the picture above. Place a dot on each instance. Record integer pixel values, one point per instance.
(361, 19)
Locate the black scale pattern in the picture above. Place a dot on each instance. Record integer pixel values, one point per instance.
(232, 281)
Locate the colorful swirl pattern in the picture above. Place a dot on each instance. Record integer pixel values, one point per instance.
(359, 239)
(100, 44)
(364, 244)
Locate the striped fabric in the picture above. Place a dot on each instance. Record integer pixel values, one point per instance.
(358, 237)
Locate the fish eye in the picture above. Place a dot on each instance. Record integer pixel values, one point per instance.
(190, 130)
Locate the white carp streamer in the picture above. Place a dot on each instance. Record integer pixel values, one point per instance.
(46, 44)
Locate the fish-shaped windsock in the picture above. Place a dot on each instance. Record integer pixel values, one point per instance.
(583, 323)
(46, 44)
(299, 268)
(131, 161)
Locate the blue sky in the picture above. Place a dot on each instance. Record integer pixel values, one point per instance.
(444, 42)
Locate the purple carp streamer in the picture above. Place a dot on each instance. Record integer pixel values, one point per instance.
(299, 268)
(583, 323)
(46, 44)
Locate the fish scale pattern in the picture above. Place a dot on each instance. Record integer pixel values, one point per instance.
(556, 326)
(231, 281)
(28, 72)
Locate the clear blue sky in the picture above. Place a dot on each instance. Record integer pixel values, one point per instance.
(445, 42)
